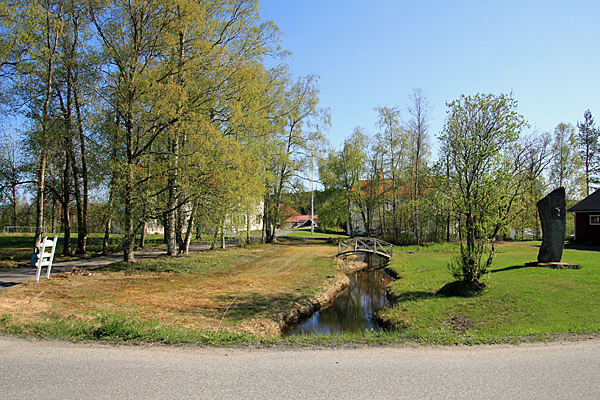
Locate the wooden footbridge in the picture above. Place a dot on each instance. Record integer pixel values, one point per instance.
(366, 245)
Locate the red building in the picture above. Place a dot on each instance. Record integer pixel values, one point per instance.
(587, 218)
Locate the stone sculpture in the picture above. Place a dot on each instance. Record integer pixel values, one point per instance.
(553, 216)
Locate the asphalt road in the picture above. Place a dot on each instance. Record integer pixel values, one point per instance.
(59, 370)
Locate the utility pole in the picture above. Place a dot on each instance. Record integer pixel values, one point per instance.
(312, 196)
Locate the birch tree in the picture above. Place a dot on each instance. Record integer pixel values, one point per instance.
(35, 73)
(565, 169)
(418, 154)
(391, 146)
(297, 106)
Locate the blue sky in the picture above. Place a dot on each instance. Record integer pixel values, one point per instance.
(374, 53)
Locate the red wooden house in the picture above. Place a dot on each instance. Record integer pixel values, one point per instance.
(587, 218)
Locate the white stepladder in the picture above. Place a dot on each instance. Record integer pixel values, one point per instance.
(45, 256)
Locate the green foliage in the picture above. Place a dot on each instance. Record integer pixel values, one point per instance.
(166, 111)
(565, 169)
(589, 150)
(486, 173)
(117, 328)
(470, 266)
(332, 213)
(341, 172)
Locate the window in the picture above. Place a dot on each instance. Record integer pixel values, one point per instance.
(594, 219)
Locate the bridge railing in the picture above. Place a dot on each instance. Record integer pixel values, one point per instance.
(368, 245)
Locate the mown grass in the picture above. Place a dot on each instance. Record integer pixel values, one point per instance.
(208, 261)
(518, 302)
(210, 297)
(304, 233)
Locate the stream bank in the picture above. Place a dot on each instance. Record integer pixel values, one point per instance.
(349, 305)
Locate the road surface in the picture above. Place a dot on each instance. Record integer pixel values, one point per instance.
(59, 370)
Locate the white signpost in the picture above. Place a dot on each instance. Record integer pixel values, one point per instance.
(44, 256)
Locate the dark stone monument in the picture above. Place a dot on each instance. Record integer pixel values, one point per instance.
(553, 216)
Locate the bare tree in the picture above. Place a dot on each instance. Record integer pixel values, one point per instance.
(391, 146)
(418, 152)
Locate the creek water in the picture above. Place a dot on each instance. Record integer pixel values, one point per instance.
(352, 310)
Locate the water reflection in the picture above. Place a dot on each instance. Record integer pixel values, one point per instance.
(352, 311)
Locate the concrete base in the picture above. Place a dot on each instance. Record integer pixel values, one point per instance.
(555, 265)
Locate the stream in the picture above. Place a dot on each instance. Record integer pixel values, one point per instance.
(352, 310)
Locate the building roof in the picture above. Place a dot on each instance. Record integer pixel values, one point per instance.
(590, 203)
(299, 218)
(288, 211)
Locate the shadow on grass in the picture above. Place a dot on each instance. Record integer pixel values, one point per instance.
(416, 295)
(511, 268)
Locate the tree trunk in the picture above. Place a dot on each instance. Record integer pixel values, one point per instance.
(128, 242)
(349, 228)
(247, 229)
(66, 201)
(142, 242)
(82, 195)
(223, 244)
(106, 234)
(54, 215)
(41, 176)
(14, 205)
(185, 248)
(215, 237)
(171, 215)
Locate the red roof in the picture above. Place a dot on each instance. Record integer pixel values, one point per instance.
(299, 217)
(287, 210)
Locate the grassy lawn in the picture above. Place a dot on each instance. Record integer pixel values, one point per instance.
(518, 302)
(212, 297)
(304, 233)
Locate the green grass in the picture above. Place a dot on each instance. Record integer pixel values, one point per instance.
(207, 261)
(15, 249)
(120, 328)
(518, 301)
(304, 233)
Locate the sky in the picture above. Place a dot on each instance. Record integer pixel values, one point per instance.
(373, 53)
